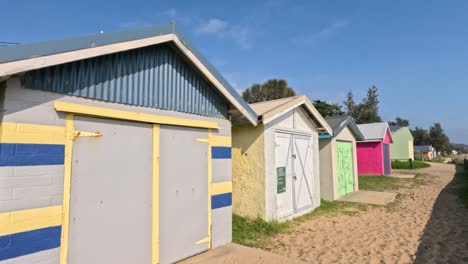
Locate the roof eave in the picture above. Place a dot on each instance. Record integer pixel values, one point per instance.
(24, 65)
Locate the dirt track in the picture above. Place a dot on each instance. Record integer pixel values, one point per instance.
(427, 225)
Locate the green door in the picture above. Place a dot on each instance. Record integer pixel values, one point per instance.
(344, 163)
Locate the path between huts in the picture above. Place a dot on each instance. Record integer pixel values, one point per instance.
(425, 225)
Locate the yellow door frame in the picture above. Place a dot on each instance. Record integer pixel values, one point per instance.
(83, 110)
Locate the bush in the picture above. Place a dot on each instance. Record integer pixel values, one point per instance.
(405, 165)
(466, 163)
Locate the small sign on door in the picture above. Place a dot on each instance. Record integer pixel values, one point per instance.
(281, 179)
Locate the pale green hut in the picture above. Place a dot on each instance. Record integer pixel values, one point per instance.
(402, 146)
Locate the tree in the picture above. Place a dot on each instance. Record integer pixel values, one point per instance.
(326, 109)
(421, 136)
(366, 111)
(350, 104)
(399, 122)
(439, 140)
(270, 90)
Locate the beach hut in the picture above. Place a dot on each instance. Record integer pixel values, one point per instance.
(114, 148)
(276, 164)
(402, 146)
(425, 152)
(374, 151)
(338, 158)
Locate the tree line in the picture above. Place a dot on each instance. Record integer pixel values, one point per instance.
(364, 112)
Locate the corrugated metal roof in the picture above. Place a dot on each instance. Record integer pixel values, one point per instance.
(154, 76)
(39, 49)
(423, 148)
(373, 131)
(338, 123)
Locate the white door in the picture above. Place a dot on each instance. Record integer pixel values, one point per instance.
(302, 160)
(283, 159)
(294, 154)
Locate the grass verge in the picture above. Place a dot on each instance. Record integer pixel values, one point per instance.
(386, 183)
(255, 232)
(462, 191)
(405, 165)
(258, 232)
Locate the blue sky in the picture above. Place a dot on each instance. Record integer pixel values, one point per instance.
(415, 52)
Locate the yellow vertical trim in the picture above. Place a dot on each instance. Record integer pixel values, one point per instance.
(210, 179)
(69, 137)
(155, 198)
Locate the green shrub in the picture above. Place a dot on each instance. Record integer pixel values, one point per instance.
(405, 165)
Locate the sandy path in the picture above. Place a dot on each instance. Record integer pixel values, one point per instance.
(428, 225)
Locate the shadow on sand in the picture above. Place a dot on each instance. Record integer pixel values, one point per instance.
(445, 237)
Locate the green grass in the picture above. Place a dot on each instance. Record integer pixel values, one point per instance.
(405, 165)
(334, 208)
(258, 233)
(379, 183)
(386, 183)
(462, 191)
(255, 232)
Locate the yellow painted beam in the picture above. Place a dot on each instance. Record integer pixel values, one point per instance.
(69, 137)
(221, 187)
(220, 141)
(31, 134)
(210, 179)
(27, 220)
(155, 196)
(131, 116)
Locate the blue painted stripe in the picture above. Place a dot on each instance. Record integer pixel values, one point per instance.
(221, 152)
(31, 154)
(221, 200)
(24, 243)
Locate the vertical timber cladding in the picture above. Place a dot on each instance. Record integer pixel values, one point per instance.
(344, 167)
(110, 203)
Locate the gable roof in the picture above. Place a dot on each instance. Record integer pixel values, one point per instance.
(374, 131)
(26, 57)
(270, 110)
(423, 148)
(338, 123)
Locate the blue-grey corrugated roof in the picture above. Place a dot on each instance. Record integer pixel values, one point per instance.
(39, 49)
(423, 148)
(338, 123)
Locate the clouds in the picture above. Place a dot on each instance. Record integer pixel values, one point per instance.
(327, 31)
(212, 26)
(238, 33)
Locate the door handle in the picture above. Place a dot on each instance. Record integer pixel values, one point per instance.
(294, 177)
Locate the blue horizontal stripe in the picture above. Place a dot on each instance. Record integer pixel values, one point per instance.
(221, 200)
(31, 154)
(221, 152)
(24, 243)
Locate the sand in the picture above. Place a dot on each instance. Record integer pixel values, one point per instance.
(425, 225)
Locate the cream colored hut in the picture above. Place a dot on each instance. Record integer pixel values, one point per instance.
(276, 163)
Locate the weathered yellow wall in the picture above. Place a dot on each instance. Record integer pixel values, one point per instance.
(248, 171)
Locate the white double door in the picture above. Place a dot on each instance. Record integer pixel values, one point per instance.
(294, 153)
